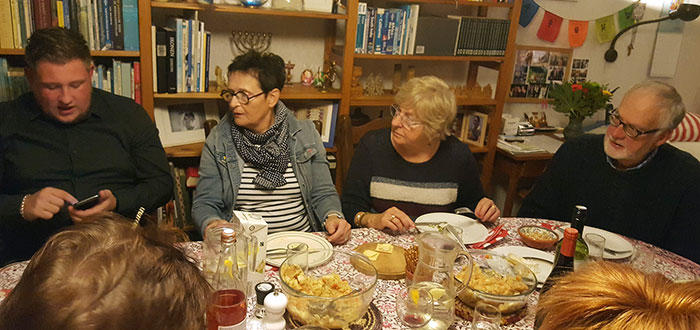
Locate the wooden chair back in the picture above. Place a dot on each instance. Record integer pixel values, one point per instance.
(349, 137)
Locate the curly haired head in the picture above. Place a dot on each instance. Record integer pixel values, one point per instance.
(605, 295)
(108, 274)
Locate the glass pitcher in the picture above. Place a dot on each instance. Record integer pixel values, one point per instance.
(439, 259)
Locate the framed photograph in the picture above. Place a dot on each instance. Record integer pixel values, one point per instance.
(182, 122)
(536, 70)
(457, 126)
(475, 128)
(324, 117)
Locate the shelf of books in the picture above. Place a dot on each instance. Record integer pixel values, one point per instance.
(245, 10)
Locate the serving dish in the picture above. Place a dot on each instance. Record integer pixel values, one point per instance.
(497, 272)
(330, 311)
(538, 237)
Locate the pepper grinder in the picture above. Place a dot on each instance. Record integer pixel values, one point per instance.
(262, 290)
(275, 305)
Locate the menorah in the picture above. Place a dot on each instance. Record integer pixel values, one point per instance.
(245, 41)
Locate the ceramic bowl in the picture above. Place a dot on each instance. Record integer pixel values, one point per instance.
(538, 237)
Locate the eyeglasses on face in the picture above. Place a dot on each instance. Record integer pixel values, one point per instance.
(627, 128)
(241, 96)
(405, 120)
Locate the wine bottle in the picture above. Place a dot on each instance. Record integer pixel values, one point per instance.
(228, 306)
(578, 221)
(565, 259)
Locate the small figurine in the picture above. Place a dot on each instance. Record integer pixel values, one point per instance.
(396, 82)
(307, 77)
(289, 66)
(319, 79)
(330, 77)
(355, 86)
(220, 81)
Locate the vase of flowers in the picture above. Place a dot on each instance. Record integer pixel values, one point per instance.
(578, 100)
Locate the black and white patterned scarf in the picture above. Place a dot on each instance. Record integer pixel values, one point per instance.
(267, 152)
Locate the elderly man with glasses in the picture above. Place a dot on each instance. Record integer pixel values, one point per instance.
(632, 182)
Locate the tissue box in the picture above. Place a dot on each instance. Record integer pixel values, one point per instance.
(325, 6)
(255, 228)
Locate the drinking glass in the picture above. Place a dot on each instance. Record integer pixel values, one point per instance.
(486, 317)
(414, 306)
(596, 246)
(298, 254)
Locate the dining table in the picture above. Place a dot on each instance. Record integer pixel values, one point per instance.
(646, 257)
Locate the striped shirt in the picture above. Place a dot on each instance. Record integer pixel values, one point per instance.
(282, 208)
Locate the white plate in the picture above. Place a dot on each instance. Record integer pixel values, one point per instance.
(613, 242)
(472, 230)
(535, 259)
(315, 242)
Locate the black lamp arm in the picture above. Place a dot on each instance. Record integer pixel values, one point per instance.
(612, 44)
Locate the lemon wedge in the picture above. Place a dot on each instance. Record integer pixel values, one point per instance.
(437, 293)
(414, 295)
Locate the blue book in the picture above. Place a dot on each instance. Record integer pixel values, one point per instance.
(189, 59)
(105, 25)
(371, 23)
(176, 25)
(378, 33)
(100, 76)
(66, 14)
(359, 33)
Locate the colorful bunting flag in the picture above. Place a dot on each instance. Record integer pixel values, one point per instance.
(578, 30)
(527, 12)
(605, 29)
(625, 17)
(549, 30)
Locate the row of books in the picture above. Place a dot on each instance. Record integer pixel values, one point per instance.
(481, 36)
(181, 51)
(105, 24)
(388, 31)
(123, 78)
(12, 82)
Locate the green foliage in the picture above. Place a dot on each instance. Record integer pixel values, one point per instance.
(579, 100)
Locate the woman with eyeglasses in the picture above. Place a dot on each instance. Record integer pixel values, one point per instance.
(417, 167)
(261, 159)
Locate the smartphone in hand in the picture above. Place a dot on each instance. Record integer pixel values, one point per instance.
(87, 202)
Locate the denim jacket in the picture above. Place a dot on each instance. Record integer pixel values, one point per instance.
(221, 167)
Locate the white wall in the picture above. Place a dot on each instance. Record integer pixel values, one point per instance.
(627, 70)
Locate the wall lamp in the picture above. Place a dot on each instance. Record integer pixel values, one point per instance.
(687, 11)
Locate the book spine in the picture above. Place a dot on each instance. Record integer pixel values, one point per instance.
(83, 19)
(41, 13)
(206, 68)
(16, 33)
(161, 56)
(188, 56)
(126, 79)
(107, 25)
(118, 25)
(378, 31)
(137, 82)
(202, 56)
(371, 27)
(6, 30)
(172, 60)
(130, 15)
(413, 29)
(74, 15)
(361, 22)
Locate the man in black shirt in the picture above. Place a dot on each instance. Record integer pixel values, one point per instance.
(631, 180)
(66, 141)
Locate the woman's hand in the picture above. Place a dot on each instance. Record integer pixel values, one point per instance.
(392, 218)
(487, 210)
(338, 229)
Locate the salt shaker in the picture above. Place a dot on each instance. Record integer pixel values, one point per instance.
(275, 305)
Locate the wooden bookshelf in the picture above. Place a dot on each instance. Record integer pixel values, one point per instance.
(194, 150)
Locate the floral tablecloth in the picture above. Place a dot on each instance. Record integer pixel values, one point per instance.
(647, 257)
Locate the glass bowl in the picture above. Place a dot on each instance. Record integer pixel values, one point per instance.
(252, 3)
(324, 311)
(491, 288)
(538, 237)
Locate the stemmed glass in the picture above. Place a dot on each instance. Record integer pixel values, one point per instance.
(414, 306)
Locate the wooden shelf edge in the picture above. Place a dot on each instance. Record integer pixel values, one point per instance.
(247, 10)
(478, 150)
(291, 92)
(497, 59)
(94, 53)
(464, 3)
(388, 99)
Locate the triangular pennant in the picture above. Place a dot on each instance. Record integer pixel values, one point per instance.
(578, 30)
(527, 12)
(605, 29)
(625, 17)
(549, 30)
